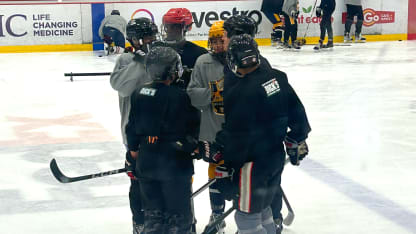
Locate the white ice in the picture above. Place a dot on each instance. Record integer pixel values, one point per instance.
(358, 177)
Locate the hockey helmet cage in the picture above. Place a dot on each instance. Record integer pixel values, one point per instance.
(242, 52)
(163, 63)
(240, 24)
(115, 12)
(178, 16)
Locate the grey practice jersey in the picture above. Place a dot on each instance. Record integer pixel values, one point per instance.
(353, 2)
(205, 90)
(290, 6)
(114, 21)
(127, 76)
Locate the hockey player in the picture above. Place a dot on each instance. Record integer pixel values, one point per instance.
(272, 9)
(175, 24)
(205, 90)
(325, 10)
(259, 109)
(161, 118)
(290, 12)
(128, 74)
(354, 8)
(113, 29)
(237, 25)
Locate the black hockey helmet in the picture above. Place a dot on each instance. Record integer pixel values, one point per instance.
(139, 28)
(163, 63)
(115, 12)
(240, 24)
(242, 52)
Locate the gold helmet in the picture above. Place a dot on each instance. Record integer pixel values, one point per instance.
(216, 30)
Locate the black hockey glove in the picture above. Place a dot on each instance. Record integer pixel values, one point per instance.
(139, 56)
(296, 150)
(224, 182)
(130, 165)
(294, 14)
(318, 12)
(183, 81)
(210, 152)
(188, 145)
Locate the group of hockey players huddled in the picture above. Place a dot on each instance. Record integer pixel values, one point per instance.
(226, 106)
(288, 10)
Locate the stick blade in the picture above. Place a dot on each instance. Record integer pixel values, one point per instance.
(289, 219)
(56, 172)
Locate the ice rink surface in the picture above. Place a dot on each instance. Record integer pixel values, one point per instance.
(358, 178)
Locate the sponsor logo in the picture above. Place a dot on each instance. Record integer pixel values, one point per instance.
(6, 25)
(42, 24)
(148, 91)
(211, 16)
(271, 87)
(372, 17)
(144, 11)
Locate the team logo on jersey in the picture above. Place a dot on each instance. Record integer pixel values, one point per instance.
(271, 87)
(217, 100)
(148, 91)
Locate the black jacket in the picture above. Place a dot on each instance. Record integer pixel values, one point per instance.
(165, 112)
(272, 6)
(189, 53)
(328, 6)
(259, 109)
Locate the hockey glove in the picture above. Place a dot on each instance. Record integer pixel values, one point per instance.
(210, 152)
(129, 49)
(296, 150)
(224, 182)
(188, 145)
(130, 165)
(294, 14)
(139, 56)
(318, 12)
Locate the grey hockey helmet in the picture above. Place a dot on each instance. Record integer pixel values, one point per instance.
(163, 63)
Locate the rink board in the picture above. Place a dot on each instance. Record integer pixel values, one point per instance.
(74, 26)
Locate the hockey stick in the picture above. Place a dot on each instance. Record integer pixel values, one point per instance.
(290, 215)
(65, 179)
(71, 75)
(303, 40)
(212, 228)
(205, 186)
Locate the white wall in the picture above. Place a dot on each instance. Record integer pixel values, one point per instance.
(18, 22)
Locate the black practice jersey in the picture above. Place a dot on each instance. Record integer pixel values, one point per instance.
(272, 5)
(260, 108)
(161, 115)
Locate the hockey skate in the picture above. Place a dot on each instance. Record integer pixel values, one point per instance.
(359, 39)
(347, 38)
(221, 226)
(286, 46)
(318, 46)
(296, 45)
(109, 49)
(329, 45)
(279, 225)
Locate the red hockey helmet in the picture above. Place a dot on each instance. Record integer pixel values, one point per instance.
(178, 16)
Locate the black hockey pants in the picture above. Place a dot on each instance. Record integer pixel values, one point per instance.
(135, 202)
(291, 30)
(352, 11)
(167, 205)
(326, 26)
